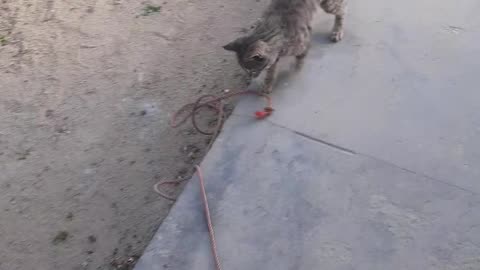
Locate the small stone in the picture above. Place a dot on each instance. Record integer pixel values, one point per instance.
(92, 239)
(48, 113)
(69, 216)
(62, 130)
(60, 237)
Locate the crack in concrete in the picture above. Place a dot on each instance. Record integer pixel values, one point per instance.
(335, 146)
(349, 151)
(421, 174)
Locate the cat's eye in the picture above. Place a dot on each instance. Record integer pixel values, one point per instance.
(258, 58)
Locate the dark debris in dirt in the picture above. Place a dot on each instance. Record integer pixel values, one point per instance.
(22, 155)
(69, 216)
(49, 113)
(124, 264)
(92, 239)
(3, 40)
(150, 9)
(61, 237)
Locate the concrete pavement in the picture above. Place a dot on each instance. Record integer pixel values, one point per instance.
(370, 161)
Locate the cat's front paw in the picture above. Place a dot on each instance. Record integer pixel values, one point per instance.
(336, 35)
(267, 89)
(299, 63)
(248, 79)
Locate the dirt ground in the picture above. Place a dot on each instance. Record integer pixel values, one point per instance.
(86, 91)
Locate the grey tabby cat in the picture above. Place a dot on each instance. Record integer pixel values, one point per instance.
(284, 30)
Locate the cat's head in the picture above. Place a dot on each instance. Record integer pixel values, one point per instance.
(254, 56)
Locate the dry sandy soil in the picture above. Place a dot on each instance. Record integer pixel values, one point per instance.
(86, 91)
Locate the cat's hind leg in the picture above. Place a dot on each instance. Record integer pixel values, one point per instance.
(337, 8)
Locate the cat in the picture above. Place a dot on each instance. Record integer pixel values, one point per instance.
(283, 30)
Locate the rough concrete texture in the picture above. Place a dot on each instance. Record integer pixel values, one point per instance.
(86, 90)
(370, 161)
(285, 201)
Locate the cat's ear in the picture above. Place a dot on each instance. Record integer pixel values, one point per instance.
(234, 46)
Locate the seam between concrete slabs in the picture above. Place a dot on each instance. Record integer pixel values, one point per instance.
(350, 151)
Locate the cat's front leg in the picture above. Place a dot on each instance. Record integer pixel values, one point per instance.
(337, 32)
(248, 79)
(300, 59)
(337, 8)
(270, 78)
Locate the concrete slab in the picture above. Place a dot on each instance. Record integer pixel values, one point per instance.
(284, 201)
(371, 160)
(402, 86)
